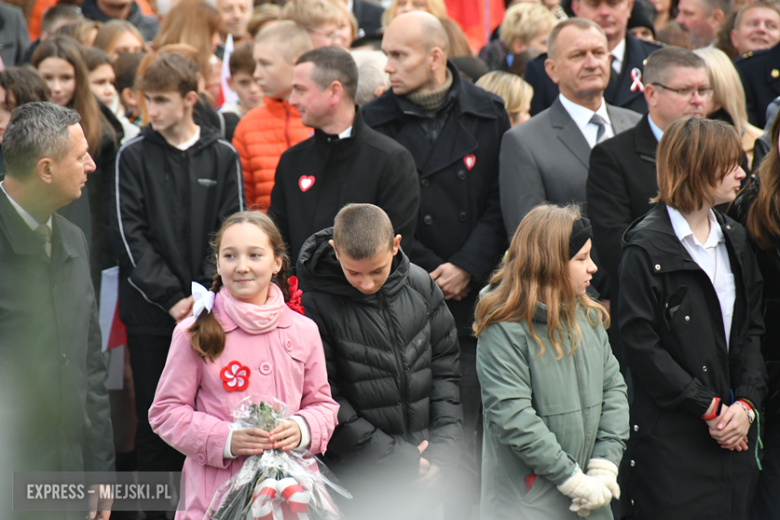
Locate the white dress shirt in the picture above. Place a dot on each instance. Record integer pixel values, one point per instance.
(657, 132)
(346, 134)
(713, 258)
(619, 53)
(29, 219)
(581, 117)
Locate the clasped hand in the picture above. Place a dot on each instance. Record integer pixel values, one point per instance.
(452, 280)
(253, 441)
(730, 428)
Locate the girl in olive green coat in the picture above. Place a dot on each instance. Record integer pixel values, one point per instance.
(555, 407)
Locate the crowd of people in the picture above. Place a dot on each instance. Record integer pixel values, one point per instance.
(517, 266)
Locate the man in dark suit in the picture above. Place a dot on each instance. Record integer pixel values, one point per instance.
(50, 346)
(14, 39)
(622, 176)
(627, 55)
(760, 72)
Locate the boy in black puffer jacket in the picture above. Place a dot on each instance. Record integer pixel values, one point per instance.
(393, 364)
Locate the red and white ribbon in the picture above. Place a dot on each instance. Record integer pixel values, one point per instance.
(285, 496)
(636, 80)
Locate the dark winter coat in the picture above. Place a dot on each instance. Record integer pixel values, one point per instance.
(55, 408)
(393, 365)
(168, 202)
(619, 95)
(760, 73)
(319, 176)
(148, 26)
(674, 345)
(460, 210)
(769, 264)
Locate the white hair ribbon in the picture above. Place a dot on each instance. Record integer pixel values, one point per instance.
(204, 299)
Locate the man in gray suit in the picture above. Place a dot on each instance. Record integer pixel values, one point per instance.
(546, 158)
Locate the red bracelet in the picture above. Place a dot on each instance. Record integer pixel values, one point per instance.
(714, 413)
(746, 403)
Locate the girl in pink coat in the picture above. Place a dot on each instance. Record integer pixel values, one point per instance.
(243, 341)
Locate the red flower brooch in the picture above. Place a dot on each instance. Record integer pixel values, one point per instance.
(235, 376)
(295, 295)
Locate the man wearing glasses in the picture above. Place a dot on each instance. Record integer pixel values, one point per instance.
(622, 176)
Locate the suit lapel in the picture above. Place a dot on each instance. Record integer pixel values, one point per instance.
(62, 242)
(23, 239)
(644, 141)
(619, 122)
(569, 133)
(623, 94)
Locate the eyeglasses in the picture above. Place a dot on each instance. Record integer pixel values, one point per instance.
(704, 92)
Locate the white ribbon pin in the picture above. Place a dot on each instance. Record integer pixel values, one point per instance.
(636, 83)
(204, 299)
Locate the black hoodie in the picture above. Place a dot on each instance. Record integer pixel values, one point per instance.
(167, 204)
(393, 365)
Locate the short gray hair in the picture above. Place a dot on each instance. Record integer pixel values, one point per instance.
(36, 130)
(371, 74)
(580, 23)
(661, 65)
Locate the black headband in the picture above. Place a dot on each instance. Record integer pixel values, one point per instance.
(581, 232)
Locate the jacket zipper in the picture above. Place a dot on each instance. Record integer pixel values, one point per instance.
(287, 125)
(398, 358)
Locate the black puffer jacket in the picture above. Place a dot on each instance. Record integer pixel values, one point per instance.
(393, 364)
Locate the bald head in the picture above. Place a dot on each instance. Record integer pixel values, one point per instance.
(416, 45)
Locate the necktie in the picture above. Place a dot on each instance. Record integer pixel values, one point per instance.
(602, 127)
(614, 76)
(44, 233)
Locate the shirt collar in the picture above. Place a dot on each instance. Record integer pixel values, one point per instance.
(346, 134)
(619, 52)
(657, 132)
(582, 115)
(29, 219)
(683, 230)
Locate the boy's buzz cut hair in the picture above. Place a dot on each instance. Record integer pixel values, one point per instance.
(241, 59)
(360, 231)
(169, 72)
(291, 39)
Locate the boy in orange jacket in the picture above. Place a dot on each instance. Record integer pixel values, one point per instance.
(271, 128)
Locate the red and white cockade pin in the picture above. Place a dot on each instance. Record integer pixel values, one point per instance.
(306, 182)
(235, 376)
(470, 160)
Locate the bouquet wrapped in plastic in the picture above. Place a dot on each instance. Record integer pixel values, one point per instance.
(277, 485)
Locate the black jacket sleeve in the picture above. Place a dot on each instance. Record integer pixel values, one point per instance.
(278, 208)
(355, 441)
(151, 276)
(609, 207)
(446, 412)
(399, 195)
(669, 384)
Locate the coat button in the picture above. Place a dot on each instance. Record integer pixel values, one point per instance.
(704, 368)
(288, 345)
(425, 182)
(428, 219)
(462, 216)
(728, 226)
(687, 318)
(632, 500)
(657, 267)
(462, 175)
(632, 463)
(201, 458)
(636, 427)
(64, 359)
(265, 368)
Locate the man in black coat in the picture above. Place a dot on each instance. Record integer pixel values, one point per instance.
(392, 358)
(345, 161)
(627, 54)
(760, 73)
(622, 177)
(368, 15)
(453, 130)
(102, 11)
(50, 346)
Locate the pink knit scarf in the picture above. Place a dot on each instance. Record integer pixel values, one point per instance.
(255, 319)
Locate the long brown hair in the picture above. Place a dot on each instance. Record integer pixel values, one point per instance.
(208, 336)
(762, 220)
(83, 102)
(108, 35)
(536, 269)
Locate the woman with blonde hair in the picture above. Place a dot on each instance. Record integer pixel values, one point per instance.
(436, 7)
(515, 92)
(554, 400)
(728, 102)
(119, 37)
(691, 324)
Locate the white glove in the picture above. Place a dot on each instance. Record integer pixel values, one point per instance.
(607, 472)
(587, 493)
